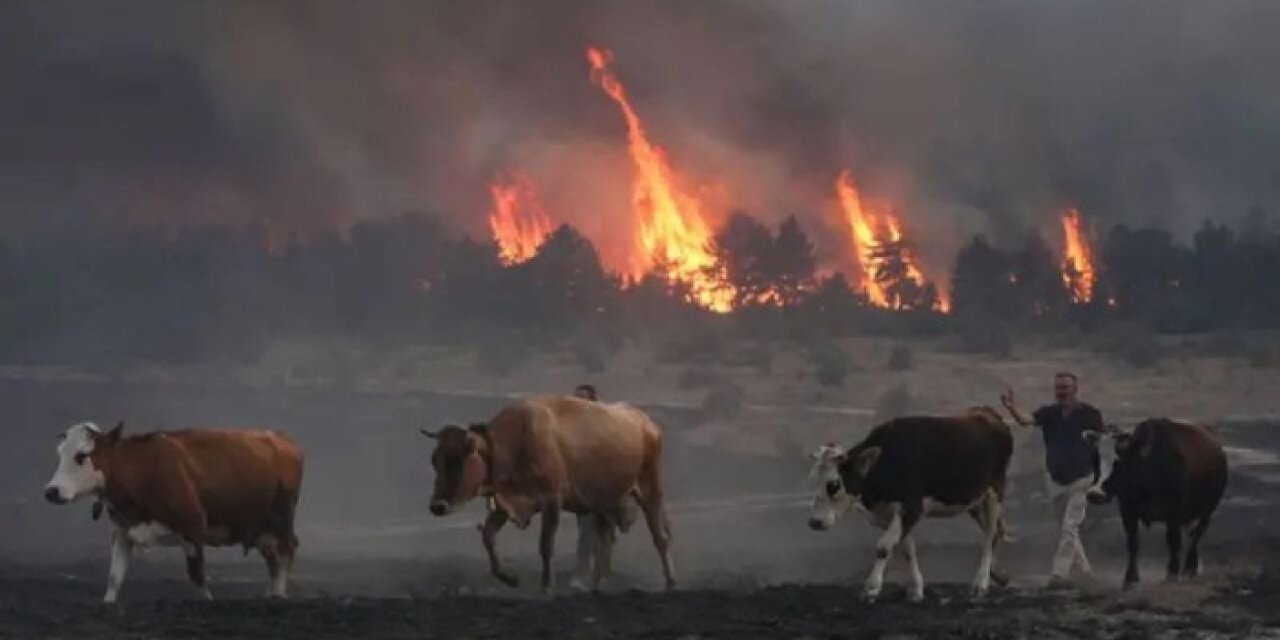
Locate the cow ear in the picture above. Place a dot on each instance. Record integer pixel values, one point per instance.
(114, 434)
(865, 460)
(428, 433)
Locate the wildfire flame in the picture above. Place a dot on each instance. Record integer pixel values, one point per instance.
(870, 232)
(1078, 271)
(671, 230)
(517, 220)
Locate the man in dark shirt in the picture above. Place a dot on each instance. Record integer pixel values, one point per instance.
(1071, 463)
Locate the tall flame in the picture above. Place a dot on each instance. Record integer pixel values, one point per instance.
(870, 232)
(517, 220)
(862, 232)
(671, 229)
(1078, 271)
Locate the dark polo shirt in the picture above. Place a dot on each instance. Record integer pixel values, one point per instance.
(1067, 455)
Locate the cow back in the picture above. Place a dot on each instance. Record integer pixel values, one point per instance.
(584, 454)
(953, 460)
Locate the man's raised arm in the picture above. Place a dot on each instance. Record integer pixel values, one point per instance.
(1006, 399)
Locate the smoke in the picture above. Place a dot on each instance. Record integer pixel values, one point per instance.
(986, 117)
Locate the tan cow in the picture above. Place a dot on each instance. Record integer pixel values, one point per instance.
(193, 488)
(551, 454)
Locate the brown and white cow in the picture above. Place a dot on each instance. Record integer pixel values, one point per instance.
(913, 467)
(192, 488)
(1164, 471)
(546, 455)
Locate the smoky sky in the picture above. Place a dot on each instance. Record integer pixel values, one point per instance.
(966, 117)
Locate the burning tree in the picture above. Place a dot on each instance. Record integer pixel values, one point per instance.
(517, 220)
(890, 276)
(760, 268)
(1078, 270)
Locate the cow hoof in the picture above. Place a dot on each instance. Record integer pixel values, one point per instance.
(978, 593)
(869, 597)
(999, 578)
(915, 597)
(509, 579)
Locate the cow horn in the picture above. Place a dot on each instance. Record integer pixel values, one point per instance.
(428, 433)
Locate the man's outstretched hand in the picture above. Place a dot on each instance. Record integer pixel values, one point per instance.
(1006, 399)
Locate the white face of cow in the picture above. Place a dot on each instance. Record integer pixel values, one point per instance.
(75, 476)
(830, 499)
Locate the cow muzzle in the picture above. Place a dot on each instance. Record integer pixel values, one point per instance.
(817, 524)
(54, 495)
(440, 508)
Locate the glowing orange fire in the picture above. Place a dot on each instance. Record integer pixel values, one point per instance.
(670, 227)
(1078, 271)
(517, 220)
(870, 232)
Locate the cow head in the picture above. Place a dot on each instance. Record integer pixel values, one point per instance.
(837, 478)
(460, 466)
(82, 455)
(1122, 463)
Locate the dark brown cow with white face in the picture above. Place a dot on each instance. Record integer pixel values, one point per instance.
(1165, 471)
(193, 488)
(551, 454)
(913, 467)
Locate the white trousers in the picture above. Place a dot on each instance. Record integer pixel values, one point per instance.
(1069, 503)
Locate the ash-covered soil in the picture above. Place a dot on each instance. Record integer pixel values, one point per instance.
(35, 606)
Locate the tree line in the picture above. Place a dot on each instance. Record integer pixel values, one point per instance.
(76, 295)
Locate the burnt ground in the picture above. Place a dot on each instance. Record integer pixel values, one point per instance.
(373, 565)
(41, 607)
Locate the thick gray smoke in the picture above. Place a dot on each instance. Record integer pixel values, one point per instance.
(969, 117)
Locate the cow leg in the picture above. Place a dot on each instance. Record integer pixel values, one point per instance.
(902, 521)
(606, 535)
(195, 567)
(489, 535)
(1131, 542)
(587, 549)
(989, 520)
(547, 546)
(279, 561)
(913, 565)
(998, 577)
(1173, 538)
(655, 516)
(1191, 567)
(121, 552)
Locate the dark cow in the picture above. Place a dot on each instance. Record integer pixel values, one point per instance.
(194, 488)
(913, 467)
(1165, 471)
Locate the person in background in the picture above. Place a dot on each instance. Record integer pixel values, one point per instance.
(1071, 463)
